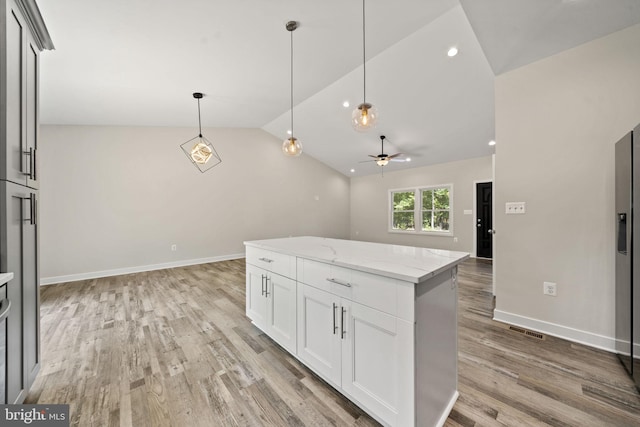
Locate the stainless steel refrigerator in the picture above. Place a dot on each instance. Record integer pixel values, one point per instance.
(628, 252)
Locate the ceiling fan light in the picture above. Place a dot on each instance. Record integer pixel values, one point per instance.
(292, 147)
(382, 162)
(364, 117)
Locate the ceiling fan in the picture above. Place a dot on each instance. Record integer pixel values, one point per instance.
(383, 159)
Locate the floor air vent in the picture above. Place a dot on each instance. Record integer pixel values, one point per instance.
(526, 332)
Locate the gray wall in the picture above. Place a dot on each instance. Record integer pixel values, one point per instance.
(370, 203)
(557, 121)
(114, 199)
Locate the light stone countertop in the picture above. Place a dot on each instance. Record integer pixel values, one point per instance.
(5, 277)
(406, 263)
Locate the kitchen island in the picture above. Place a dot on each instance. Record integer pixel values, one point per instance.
(377, 322)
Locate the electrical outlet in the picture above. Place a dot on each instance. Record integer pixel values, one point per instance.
(455, 240)
(550, 288)
(174, 248)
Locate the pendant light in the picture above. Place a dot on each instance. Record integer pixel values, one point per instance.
(291, 146)
(365, 116)
(199, 150)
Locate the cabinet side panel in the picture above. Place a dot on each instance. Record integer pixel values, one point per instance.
(436, 347)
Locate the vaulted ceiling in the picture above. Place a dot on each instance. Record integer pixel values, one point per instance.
(137, 62)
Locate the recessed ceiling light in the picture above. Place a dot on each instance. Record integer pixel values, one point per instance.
(345, 104)
(492, 142)
(289, 132)
(408, 159)
(453, 51)
(353, 170)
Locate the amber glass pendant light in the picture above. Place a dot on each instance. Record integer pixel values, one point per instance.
(365, 116)
(199, 150)
(291, 146)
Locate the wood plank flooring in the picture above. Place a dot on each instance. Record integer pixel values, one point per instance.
(174, 348)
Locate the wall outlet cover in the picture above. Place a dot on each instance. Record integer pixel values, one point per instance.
(550, 288)
(513, 208)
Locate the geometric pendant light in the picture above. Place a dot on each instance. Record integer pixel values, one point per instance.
(291, 146)
(199, 150)
(365, 116)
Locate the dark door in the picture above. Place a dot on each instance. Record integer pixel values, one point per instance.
(484, 220)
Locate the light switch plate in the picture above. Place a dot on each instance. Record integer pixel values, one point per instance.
(468, 212)
(512, 208)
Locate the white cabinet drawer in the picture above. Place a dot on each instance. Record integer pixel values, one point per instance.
(374, 291)
(275, 262)
(327, 277)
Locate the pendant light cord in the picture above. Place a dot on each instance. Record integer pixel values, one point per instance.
(364, 58)
(291, 83)
(199, 121)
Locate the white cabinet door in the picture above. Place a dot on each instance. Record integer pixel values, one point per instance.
(255, 295)
(281, 311)
(319, 322)
(377, 363)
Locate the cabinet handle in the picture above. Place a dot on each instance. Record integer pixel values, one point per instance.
(33, 164)
(342, 331)
(335, 327)
(262, 285)
(266, 260)
(338, 282)
(31, 155)
(32, 209)
(266, 286)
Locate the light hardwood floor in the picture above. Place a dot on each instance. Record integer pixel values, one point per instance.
(174, 348)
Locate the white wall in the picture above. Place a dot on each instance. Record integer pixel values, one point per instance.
(114, 199)
(370, 203)
(557, 121)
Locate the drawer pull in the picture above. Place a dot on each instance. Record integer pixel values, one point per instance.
(266, 260)
(338, 282)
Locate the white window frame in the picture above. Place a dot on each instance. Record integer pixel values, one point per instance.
(417, 210)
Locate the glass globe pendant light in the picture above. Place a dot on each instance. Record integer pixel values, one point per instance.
(365, 116)
(291, 146)
(199, 150)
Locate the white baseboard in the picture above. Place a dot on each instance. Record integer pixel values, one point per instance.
(139, 269)
(582, 337)
(448, 409)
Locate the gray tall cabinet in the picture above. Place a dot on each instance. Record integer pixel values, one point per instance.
(23, 35)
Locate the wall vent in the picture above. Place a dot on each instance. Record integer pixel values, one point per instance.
(526, 332)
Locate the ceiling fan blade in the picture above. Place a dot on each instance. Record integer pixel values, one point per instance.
(367, 161)
(370, 155)
(394, 155)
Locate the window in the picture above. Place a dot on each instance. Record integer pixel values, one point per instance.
(435, 209)
(427, 207)
(403, 210)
